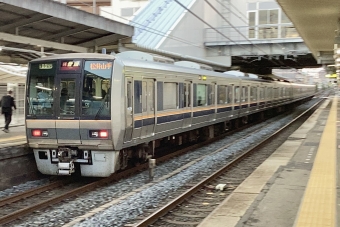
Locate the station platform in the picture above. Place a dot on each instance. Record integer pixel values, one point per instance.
(17, 135)
(296, 186)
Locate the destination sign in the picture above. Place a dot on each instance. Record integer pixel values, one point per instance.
(45, 66)
(70, 65)
(100, 65)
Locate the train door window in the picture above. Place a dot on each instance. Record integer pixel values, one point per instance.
(201, 95)
(67, 97)
(211, 94)
(150, 96)
(144, 92)
(244, 94)
(137, 96)
(237, 94)
(276, 93)
(129, 95)
(170, 95)
(261, 93)
(270, 93)
(253, 93)
(187, 94)
(221, 94)
(229, 91)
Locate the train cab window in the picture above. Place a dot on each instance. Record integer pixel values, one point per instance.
(96, 98)
(40, 88)
(201, 95)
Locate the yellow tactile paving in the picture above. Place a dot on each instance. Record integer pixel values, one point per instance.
(11, 139)
(318, 207)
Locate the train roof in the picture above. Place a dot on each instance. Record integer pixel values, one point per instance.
(177, 68)
(147, 63)
(75, 56)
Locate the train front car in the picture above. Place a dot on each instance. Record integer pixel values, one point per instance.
(68, 119)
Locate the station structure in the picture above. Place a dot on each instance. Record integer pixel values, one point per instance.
(301, 187)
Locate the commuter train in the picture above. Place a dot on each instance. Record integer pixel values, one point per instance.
(94, 114)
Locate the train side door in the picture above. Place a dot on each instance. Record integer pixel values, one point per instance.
(212, 100)
(67, 109)
(187, 104)
(148, 108)
(128, 109)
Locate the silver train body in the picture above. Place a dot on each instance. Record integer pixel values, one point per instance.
(146, 102)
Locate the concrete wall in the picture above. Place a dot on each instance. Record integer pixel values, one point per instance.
(113, 12)
(17, 166)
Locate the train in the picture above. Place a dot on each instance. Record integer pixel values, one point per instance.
(95, 114)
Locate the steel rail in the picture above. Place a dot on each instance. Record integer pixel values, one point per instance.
(30, 193)
(180, 199)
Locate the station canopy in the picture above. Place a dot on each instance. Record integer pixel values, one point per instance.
(32, 28)
(10, 73)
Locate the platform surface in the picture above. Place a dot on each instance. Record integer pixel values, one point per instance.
(295, 186)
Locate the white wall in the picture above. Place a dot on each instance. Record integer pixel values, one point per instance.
(114, 11)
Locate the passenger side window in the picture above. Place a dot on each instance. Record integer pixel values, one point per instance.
(201, 95)
(221, 94)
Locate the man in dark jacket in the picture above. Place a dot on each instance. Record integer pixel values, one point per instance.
(6, 103)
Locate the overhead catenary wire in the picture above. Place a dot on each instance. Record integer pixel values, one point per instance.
(206, 23)
(233, 26)
(239, 13)
(154, 31)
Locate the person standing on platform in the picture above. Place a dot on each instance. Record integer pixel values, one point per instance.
(6, 103)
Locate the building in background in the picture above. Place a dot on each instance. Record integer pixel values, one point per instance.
(202, 29)
(118, 10)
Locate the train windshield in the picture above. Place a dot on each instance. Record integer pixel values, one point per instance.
(96, 89)
(69, 89)
(40, 88)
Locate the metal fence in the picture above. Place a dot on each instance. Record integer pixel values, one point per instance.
(243, 33)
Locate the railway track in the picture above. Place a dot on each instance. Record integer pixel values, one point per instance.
(232, 183)
(197, 202)
(25, 203)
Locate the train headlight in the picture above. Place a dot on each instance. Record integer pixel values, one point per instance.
(39, 133)
(99, 134)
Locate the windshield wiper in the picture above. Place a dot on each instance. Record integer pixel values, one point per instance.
(105, 99)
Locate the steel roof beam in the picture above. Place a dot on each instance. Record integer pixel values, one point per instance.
(24, 21)
(68, 32)
(101, 41)
(38, 42)
(64, 12)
